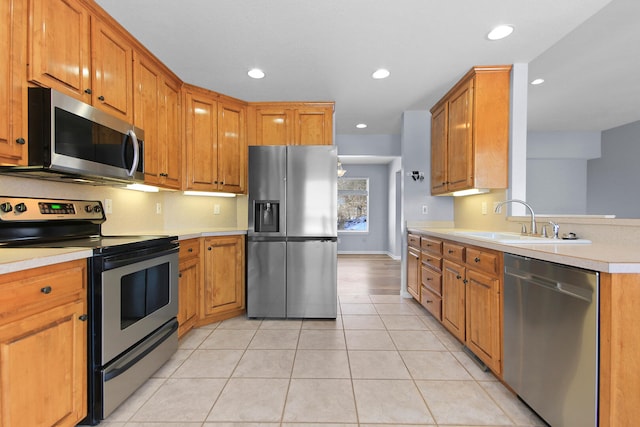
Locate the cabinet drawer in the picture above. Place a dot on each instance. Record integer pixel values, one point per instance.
(432, 302)
(189, 248)
(40, 286)
(430, 244)
(432, 280)
(432, 261)
(413, 240)
(453, 251)
(482, 260)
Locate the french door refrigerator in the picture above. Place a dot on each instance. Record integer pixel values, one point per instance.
(292, 236)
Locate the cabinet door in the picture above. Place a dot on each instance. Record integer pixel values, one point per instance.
(12, 64)
(201, 113)
(413, 272)
(112, 67)
(43, 368)
(170, 124)
(460, 142)
(223, 275)
(232, 147)
(439, 150)
(483, 318)
(148, 82)
(189, 279)
(274, 126)
(59, 47)
(453, 298)
(313, 126)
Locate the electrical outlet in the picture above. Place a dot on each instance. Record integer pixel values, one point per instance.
(108, 206)
(158, 208)
(425, 210)
(484, 208)
(216, 209)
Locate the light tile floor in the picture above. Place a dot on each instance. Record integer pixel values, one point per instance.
(385, 360)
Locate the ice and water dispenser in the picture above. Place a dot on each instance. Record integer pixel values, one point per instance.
(267, 216)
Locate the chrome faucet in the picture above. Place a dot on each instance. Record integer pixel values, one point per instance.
(533, 230)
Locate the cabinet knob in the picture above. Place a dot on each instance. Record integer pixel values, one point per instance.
(429, 301)
(465, 281)
(101, 98)
(21, 141)
(190, 250)
(458, 277)
(46, 290)
(88, 91)
(450, 251)
(83, 317)
(209, 248)
(429, 278)
(476, 259)
(179, 275)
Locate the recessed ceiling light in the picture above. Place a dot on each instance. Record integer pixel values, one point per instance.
(256, 73)
(380, 74)
(537, 82)
(361, 125)
(500, 32)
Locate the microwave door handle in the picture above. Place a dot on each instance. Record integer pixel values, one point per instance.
(136, 151)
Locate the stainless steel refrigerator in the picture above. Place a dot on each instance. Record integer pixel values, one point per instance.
(292, 236)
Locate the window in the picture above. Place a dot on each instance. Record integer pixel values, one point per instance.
(353, 204)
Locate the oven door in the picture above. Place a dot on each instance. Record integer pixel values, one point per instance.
(139, 295)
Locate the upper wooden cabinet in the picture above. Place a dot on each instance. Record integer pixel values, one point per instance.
(285, 123)
(470, 132)
(157, 102)
(81, 55)
(216, 145)
(13, 132)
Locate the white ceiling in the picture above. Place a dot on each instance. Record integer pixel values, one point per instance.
(326, 50)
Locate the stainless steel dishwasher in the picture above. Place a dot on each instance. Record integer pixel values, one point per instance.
(551, 339)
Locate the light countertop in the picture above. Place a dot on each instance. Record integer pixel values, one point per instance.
(17, 259)
(605, 257)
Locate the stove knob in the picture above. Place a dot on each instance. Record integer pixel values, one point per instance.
(88, 209)
(97, 209)
(21, 207)
(6, 207)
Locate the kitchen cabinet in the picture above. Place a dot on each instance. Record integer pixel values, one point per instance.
(224, 281)
(157, 101)
(431, 276)
(81, 55)
(470, 132)
(13, 113)
(461, 286)
(43, 346)
(285, 123)
(413, 265)
(216, 151)
(188, 285)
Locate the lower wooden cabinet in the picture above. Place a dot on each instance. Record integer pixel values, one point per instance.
(43, 346)
(461, 286)
(188, 285)
(222, 295)
(413, 267)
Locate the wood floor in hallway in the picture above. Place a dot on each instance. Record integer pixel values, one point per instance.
(368, 275)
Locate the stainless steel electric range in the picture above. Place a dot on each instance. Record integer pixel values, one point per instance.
(132, 292)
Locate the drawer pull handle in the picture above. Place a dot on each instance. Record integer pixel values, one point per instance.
(429, 301)
(83, 317)
(429, 278)
(46, 290)
(451, 251)
(190, 250)
(476, 259)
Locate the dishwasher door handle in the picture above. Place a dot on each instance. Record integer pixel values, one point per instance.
(563, 288)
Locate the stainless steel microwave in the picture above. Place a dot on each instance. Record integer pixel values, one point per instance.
(73, 141)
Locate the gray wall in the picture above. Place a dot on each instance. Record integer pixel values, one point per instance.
(416, 156)
(376, 239)
(613, 181)
(368, 145)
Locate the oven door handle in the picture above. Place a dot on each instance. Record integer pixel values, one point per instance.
(114, 261)
(126, 363)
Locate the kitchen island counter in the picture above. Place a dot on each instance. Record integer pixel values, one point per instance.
(604, 257)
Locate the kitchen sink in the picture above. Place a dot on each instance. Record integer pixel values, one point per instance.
(515, 238)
